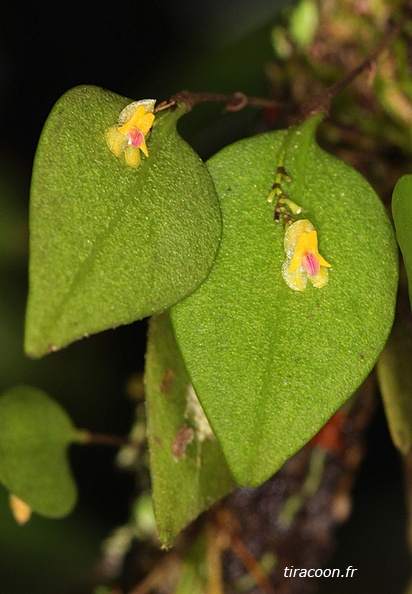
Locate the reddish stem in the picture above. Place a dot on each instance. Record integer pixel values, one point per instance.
(234, 102)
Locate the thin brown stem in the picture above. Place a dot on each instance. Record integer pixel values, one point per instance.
(87, 438)
(229, 528)
(322, 102)
(164, 575)
(234, 102)
(252, 565)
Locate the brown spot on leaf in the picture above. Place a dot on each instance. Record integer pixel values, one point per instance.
(167, 381)
(183, 438)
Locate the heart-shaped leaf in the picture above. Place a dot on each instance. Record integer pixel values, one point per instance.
(34, 435)
(188, 469)
(270, 364)
(109, 243)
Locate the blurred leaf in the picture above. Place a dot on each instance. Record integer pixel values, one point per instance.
(402, 216)
(270, 365)
(303, 22)
(407, 468)
(395, 380)
(194, 572)
(188, 469)
(109, 243)
(34, 435)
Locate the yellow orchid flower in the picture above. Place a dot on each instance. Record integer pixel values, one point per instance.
(129, 135)
(303, 260)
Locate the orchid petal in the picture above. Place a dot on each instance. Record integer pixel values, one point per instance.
(132, 155)
(295, 279)
(115, 140)
(321, 279)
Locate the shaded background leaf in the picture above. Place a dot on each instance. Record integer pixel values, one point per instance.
(402, 216)
(395, 379)
(111, 244)
(270, 365)
(187, 466)
(34, 435)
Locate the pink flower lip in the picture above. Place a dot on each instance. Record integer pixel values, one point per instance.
(311, 264)
(136, 137)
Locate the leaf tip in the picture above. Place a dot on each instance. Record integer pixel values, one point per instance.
(37, 349)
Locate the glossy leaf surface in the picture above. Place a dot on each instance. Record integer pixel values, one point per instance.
(34, 435)
(188, 469)
(270, 364)
(109, 243)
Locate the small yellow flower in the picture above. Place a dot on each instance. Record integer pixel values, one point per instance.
(303, 260)
(129, 135)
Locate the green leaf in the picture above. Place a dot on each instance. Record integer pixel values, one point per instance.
(34, 435)
(402, 216)
(303, 22)
(196, 568)
(188, 469)
(394, 369)
(110, 243)
(270, 365)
